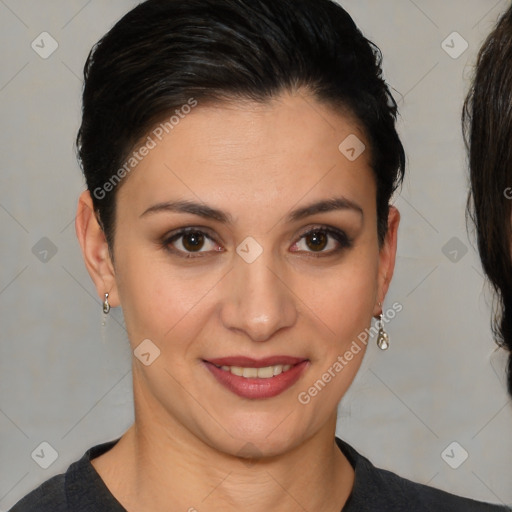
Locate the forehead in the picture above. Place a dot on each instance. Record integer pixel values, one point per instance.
(275, 151)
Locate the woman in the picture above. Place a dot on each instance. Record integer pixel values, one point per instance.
(487, 119)
(240, 157)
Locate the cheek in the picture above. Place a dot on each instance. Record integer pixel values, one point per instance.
(344, 298)
(343, 305)
(160, 300)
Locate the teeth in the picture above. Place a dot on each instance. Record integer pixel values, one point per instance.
(250, 373)
(236, 370)
(261, 373)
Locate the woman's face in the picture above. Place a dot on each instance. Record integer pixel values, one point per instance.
(261, 272)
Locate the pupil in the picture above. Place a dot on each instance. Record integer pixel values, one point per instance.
(318, 241)
(193, 241)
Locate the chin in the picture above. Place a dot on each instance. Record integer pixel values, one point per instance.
(254, 439)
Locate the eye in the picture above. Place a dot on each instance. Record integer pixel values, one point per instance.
(323, 241)
(189, 241)
(320, 241)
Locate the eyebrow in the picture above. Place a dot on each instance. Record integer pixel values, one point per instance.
(207, 212)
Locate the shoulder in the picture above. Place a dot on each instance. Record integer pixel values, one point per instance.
(380, 490)
(79, 489)
(50, 496)
(405, 493)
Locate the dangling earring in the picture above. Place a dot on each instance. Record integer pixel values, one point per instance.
(104, 317)
(382, 337)
(106, 305)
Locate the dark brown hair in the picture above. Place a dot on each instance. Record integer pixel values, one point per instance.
(164, 53)
(487, 121)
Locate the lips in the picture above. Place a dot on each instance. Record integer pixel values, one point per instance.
(233, 374)
(247, 362)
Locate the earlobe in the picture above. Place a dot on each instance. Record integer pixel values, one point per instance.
(95, 249)
(387, 257)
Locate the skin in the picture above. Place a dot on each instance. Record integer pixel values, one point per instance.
(257, 163)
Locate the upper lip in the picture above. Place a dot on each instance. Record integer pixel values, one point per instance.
(248, 362)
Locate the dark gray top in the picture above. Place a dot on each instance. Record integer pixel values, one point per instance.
(81, 489)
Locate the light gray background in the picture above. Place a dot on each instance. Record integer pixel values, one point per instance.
(66, 381)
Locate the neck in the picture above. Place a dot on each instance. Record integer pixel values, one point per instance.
(161, 466)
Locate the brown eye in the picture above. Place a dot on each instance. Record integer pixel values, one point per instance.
(317, 240)
(193, 241)
(322, 242)
(190, 242)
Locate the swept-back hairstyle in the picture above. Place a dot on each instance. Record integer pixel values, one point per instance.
(487, 123)
(165, 52)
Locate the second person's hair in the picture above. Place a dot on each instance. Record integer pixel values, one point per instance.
(487, 120)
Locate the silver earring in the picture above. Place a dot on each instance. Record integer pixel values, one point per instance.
(382, 337)
(106, 305)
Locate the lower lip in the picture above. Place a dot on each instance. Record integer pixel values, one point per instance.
(255, 388)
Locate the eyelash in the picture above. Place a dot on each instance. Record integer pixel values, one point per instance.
(340, 236)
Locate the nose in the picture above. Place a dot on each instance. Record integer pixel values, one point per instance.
(258, 300)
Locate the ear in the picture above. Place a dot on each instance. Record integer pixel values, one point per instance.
(95, 249)
(387, 256)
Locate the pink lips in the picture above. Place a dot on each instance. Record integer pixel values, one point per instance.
(257, 388)
(247, 362)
